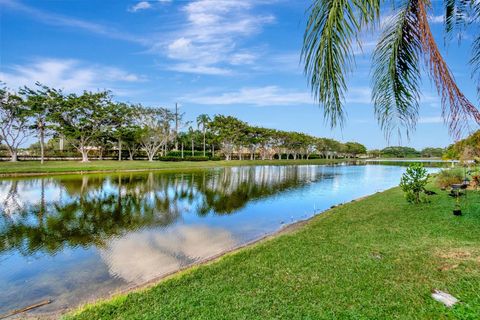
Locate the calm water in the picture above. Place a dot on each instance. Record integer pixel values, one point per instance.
(75, 238)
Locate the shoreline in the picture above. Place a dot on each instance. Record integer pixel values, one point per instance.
(187, 166)
(285, 229)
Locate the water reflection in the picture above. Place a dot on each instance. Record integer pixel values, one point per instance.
(93, 208)
(139, 257)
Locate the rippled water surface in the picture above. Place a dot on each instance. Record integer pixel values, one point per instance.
(75, 238)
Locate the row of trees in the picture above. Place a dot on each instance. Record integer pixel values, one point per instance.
(94, 122)
(406, 152)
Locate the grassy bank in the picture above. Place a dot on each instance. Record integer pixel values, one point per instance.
(33, 167)
(378, 258)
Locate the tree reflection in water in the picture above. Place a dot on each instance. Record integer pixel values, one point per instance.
(91, 209)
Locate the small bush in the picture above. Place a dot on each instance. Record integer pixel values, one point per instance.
(413, 182)
(187, 153)
(215, 158)
(169, 158)
(196, 158)
(446, 178)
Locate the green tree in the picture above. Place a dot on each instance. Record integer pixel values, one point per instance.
(399, 152)
(413, 182)
(406, 42)
(124, 123)
(156, 126)
(227, 130)
(202, 122)
(354, 149)
(40, 102)
(81, 119)
(14, 124)
(462, 147)
(432, 152)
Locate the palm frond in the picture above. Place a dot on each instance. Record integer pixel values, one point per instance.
(475, 60)
(327, 49)
(396, 72)
(456, 16)
(457, 110)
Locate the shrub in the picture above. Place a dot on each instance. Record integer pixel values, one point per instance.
(169, 158)
(446, 178)
(216, 158)
(413, 182)
(187, 153)
(196, 158)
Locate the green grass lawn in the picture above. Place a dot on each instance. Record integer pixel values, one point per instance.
(378, 258)
(25, 167)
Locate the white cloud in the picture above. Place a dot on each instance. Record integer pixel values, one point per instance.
(436, 19)
(208, 39)
(359, 95)
(272, 96)
(199, 69)
(256, 96)
(67, 74)
(242, 58)
(142, 5)
(142, 256)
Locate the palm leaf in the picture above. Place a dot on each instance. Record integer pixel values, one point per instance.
(457, 110)
(396, 72)
(327, 49)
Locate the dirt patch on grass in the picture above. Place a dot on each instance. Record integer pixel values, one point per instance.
(452, 258)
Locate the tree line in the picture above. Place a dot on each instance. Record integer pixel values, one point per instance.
(93, 122)
(406, 152)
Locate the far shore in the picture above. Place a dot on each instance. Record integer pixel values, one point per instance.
(35, 168)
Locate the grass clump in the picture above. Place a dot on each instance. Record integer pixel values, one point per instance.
(379, 258)
(447, 177)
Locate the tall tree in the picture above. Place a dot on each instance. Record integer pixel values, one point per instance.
(202, 122)
(82, 118)
(123, 118)
(40, 101)
(179, 124)
(156, 124)
(14, 124)
(227, 129)
(405, 42)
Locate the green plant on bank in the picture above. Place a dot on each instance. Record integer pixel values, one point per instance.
(446, 178)
(413, 182)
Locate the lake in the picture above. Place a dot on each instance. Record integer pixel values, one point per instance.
(73, 239)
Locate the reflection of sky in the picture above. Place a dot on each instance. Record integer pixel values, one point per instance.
(141, 255)
(27, 194)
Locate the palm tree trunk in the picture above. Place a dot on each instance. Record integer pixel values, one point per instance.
(204, 150)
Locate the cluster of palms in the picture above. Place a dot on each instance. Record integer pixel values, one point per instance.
(94, 122)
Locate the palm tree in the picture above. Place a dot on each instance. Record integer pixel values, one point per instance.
(202, 122)
(191, 133)
(406, 40)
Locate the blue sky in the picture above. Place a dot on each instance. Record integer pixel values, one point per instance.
(234, 57)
